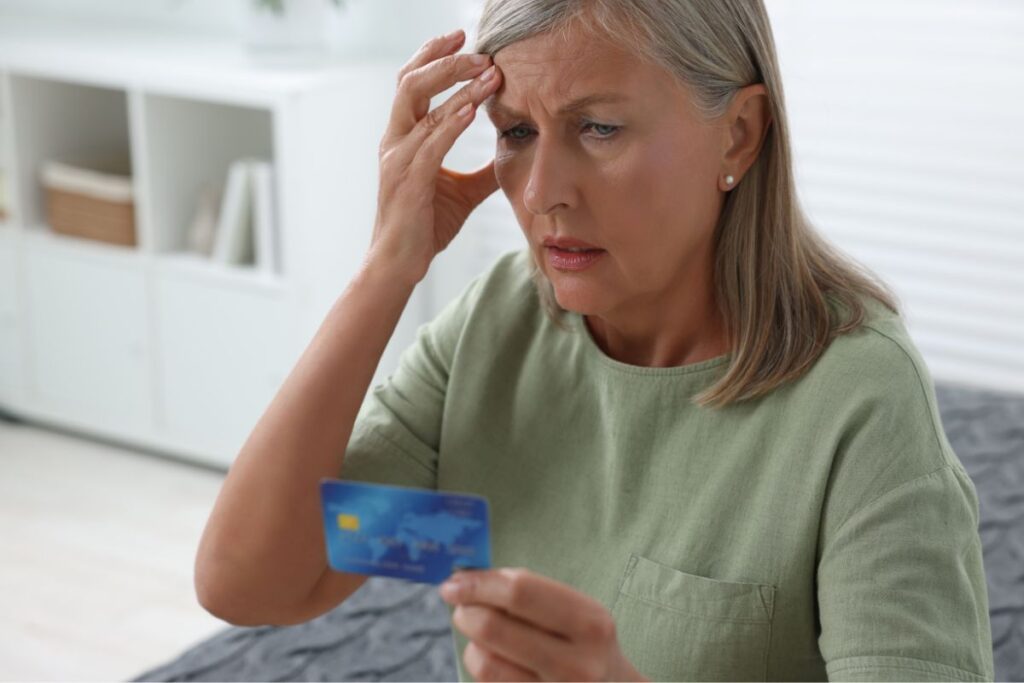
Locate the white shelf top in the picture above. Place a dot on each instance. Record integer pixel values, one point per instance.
(166, 63)
(201, 267)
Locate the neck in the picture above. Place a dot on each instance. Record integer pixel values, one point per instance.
(673, 331)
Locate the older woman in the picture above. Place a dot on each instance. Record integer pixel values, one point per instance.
(711, 449)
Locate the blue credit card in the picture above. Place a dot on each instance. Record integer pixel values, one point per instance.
(404, 533)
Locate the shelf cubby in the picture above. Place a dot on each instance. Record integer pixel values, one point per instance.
(61, 121)
(190, 145)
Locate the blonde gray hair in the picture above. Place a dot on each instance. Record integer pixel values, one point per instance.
(783, 291)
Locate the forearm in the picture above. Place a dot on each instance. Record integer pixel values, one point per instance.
(262, 549)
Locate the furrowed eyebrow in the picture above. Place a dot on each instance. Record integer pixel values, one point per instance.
(494, 107)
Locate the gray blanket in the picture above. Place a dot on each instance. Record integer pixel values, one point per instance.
(396, 631)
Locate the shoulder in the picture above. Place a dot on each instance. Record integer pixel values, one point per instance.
(502, 296)
(876, 398)
(878, 390)
(508, 281)
(877, 361)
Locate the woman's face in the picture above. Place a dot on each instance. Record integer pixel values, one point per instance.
(636, 177)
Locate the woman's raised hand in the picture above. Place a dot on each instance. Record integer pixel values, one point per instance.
(421, 206)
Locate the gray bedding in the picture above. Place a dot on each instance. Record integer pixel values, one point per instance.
(394, 631)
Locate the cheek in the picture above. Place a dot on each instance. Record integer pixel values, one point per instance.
(511, 176)
(504, 170)
(667, 170)
(664, 182)
(634, 198)
(510, 179)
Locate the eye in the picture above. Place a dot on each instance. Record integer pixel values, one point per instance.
(604, 131)
(596, 126)
(508, 133)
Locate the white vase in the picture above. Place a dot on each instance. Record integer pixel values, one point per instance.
(300, 33)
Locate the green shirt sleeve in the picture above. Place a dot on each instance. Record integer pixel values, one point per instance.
(901, 587)
(900, 582)
(396, 436)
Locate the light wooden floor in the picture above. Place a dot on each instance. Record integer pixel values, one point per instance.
(96, 551)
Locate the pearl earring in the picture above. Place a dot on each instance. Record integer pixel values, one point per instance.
(729, 180)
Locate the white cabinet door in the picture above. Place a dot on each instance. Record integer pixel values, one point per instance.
(224, 351)
(87, 333)
(10, 347)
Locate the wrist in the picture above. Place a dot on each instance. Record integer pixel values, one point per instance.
(387, 268)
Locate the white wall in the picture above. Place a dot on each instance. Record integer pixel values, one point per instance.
(364, 27)
(207, 16)
(908, 137)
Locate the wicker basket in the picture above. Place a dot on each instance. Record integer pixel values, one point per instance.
(92, 200)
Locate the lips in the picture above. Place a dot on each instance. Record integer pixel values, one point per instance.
(565, 260)
(569, 244)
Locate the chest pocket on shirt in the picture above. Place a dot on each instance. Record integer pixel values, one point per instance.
(677, 626)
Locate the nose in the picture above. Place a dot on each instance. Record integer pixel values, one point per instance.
(549, 187)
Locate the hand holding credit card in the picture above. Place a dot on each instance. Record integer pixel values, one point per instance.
(402, 532)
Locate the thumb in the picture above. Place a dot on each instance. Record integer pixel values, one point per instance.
(481, 183)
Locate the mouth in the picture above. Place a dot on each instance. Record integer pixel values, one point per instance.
(573, 259)
(574, 250)
(568, 244)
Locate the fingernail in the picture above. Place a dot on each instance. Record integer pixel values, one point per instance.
(453, 35)
(487, 75)
(450, 589)
(479, 59)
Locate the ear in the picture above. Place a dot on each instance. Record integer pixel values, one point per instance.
(747, 123)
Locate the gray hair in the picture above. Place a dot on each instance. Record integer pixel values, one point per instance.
(784, 292)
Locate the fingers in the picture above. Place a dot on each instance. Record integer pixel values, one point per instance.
(484, 665)
(419, 82)
(516, 641)
(431, 50)
(436, 132)
(534, 598)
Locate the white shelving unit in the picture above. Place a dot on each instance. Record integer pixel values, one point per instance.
(152, 345)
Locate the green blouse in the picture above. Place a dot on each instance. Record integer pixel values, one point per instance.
(825, 531)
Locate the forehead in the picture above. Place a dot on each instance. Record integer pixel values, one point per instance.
(554, 69)
(569, 53)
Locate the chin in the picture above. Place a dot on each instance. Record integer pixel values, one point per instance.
(576, 297)
(571, 292)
